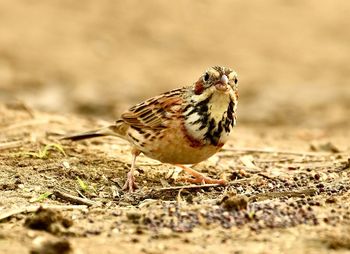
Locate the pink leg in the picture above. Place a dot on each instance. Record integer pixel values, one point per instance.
(199, 178)
(130, 183)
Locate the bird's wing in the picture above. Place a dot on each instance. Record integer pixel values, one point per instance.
(154, 112)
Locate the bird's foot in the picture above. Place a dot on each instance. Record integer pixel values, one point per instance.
(199, 178)
(130, 183)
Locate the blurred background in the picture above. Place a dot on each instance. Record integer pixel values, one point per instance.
(97, 58)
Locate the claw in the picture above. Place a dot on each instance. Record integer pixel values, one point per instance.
(130, 183)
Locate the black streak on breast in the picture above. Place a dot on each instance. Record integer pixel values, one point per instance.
(214, 132)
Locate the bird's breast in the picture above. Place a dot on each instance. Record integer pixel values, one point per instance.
(174, 146)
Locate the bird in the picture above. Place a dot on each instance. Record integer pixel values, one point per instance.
(181, 127)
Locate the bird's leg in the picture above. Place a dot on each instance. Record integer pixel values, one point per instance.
(198, 177)
(130, 183)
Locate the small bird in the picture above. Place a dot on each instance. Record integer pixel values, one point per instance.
(182, 126)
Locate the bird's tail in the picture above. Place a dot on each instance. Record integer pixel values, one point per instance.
(118, 129)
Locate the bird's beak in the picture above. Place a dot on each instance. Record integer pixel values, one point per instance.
(222, 85)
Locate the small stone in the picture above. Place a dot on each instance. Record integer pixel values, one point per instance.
(237, 202)
(331, 200)
(42, 245)
(134, 216)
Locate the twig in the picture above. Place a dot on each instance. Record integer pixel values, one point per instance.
(257, 150)
(192, 186)
(26, 108)
(10, 145)
(269, 195)
(203, 186)
(266, 176)
(342, 164)
(74, 199)
(18, 104)
(81, 194)
(33, 208)
(275, 160)
(149, 164)
(117, 182)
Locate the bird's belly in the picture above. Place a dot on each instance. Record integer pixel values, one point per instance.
(176, 148)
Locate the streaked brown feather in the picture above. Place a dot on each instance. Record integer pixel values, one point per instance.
(153, 113)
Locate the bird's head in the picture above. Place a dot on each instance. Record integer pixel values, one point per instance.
(216, 79)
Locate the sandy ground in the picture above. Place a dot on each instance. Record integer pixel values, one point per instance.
(67, 66)
(296, 196)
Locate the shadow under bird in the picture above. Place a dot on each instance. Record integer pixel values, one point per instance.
(182, 126)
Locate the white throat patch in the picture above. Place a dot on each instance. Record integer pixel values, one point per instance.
(218, 105)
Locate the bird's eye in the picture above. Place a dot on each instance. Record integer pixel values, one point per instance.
(206, 76)
(235, 80)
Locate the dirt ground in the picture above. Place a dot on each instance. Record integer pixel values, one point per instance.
(68, 66)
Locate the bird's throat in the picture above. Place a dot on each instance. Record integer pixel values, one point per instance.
(217, 105)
